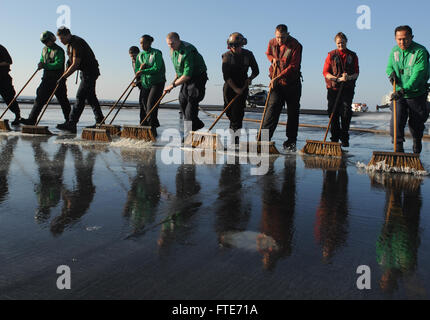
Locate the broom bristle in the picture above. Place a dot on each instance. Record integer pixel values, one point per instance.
(96, 135)
(256, 147)
(138, 132)
(112, 129)
(398, 160)
(4, 125)
(204, 140)
(332, 149)
(36, 130)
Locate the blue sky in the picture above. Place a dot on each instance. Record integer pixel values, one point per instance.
(111, 27)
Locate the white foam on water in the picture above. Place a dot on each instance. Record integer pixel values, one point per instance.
(131, 144)
(79, 142)
(383, 167)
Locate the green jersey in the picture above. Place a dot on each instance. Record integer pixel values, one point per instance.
(412, 69)
(53, 60)
(153, 70)
(188, 61)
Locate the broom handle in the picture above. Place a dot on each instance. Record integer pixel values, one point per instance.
(265, 107)
(153, 108)
(113, 107)
(16, 97)
(122, 105)
(225, 110)
(334, 110)
(395, 117)
(46, 105)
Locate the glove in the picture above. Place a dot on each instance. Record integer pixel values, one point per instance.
(398, 95)
(393, 77)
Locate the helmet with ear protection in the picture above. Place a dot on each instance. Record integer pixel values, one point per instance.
(236, 39)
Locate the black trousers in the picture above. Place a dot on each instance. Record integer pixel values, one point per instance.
(7, 92)
(192, 93)
(416, 110)
(43, 93)
(236, 112)
(86, 93)
(148, 98)
(280, 95)
(343, 114)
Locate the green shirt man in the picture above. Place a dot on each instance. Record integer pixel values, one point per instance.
(188, 61)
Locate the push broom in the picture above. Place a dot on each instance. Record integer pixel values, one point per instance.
(141, 132)
(271, 144)
(324, 148)
(397, 160)
(4, 124)
(208, 140)
(104, 132)
(36, 129)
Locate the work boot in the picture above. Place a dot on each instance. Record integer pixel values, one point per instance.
(418, 147)
(28, 122)
(400, 147)
(290, 146)
(62, 124)
(68, 126)
(17, 121)
(345, 144)
(198, 125)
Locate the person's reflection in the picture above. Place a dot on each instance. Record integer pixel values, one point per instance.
(6, 155)
(331, 227)
(48, 190)
(77, 201)
(277, 226)
(183, 207)
(231, 214)
(397, 246)
(144, 195)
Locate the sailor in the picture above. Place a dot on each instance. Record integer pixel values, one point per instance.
(52, 62)
(408, 66)
(151, 69)
(7, 90)
(133, 52)
(285, 54)
(191, 75)
(235, 65)
(81, 57)
(341, 69)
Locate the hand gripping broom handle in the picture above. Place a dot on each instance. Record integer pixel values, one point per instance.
(122, 105)
(334, 110)
(153, 108)
(395, 118)
(265, 107)
(46, 105)
(225, 110)
(16, 97)
(125, 91)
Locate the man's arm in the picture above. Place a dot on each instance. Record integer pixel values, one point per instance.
(75, 61)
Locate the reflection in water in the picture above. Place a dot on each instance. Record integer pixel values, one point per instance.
(277, 226)
(6, 155)
(331, 227)
(144, 195)
(78, 200)
(231, 216)
(183, 206)
(397, 246)
(48, 191)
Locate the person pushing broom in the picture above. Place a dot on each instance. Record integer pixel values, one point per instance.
(52, 62)
(81, 57)
(408, 68)
(7, 90)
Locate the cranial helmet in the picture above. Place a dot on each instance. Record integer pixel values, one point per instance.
(236, 39)
(46, 36)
